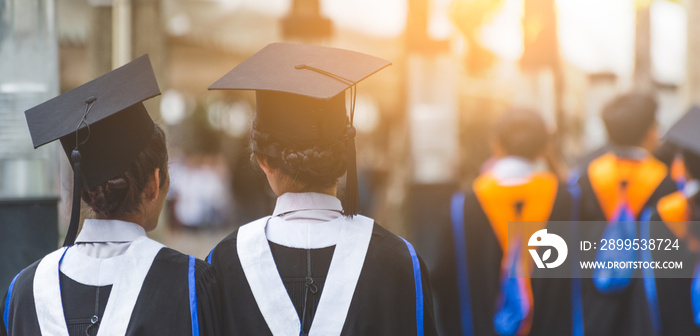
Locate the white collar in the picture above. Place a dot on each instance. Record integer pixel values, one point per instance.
(109, 230)
(305, 220)
(305, 233)
(512, 170)
(630, 152)
(691, 188)
(292, 202)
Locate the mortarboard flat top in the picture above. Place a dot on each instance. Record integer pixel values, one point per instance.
(684, 132)
(306, 70)
(114, 92)
(117, 125)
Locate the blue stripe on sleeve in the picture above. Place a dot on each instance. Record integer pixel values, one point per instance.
(465, 301)
(648, 273)
(576, 299)
(193, 298)
(6, 313)
(419, 287)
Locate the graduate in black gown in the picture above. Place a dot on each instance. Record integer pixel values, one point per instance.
(618, 185)
(680, 213)
(315, 266)
(111, 279)
(468, 275)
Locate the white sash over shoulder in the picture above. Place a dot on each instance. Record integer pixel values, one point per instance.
(269, 291)
(133, 268)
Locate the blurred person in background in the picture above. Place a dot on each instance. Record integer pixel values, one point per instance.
(615, 188)
(475, 293)
(315, 266)
(199, 195)
(112, 278)
(676, 294)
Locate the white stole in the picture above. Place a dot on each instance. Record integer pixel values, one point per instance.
(271, 295)
(137, 261)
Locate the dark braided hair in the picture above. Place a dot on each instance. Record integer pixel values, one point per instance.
(123, 194)
(313, 166)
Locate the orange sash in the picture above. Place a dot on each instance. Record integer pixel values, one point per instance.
(642, 176)
(498, 202)
(674, 210)
(677, 168)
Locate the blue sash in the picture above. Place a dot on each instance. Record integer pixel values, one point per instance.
(695, 295)
(465, 301)
(576, 299)
(193, 297)
(623, 226)
(419, 287)
(514, 306)
(648, 273)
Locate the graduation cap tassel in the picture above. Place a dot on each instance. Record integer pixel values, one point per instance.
(352, 198)
(351, 203)
(75, 211)
(75, 159)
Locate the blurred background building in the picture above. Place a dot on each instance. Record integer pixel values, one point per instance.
(423, 123)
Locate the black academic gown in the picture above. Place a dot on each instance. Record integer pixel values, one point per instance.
(383, 303)
(162, 306)
(673, 287)
(627, 312)
(552, 307)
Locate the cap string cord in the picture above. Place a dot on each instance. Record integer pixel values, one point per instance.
(88, 106)
(324, 72)
(77, 177)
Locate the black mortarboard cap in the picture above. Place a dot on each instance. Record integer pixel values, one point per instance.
(102, 125)
(684, 132)
(300, 96)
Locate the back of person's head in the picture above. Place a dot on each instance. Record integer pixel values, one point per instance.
(628, 118)
(313, 167)
(522, 132)
(123, 194)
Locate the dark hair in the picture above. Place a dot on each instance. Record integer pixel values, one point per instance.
(314, 166)
(629, 117)
(123, 194)
(522, 132)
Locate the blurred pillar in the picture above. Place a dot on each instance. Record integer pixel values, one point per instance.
(100, 40)
(540, 58)
(121, 30)
(148, 37)
(121, 33)
(693, 50)
(305, 23)
(642, 49)
(28, 177)
(430, 94)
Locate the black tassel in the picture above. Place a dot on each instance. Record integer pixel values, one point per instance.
(351, 202)
(75, 212)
